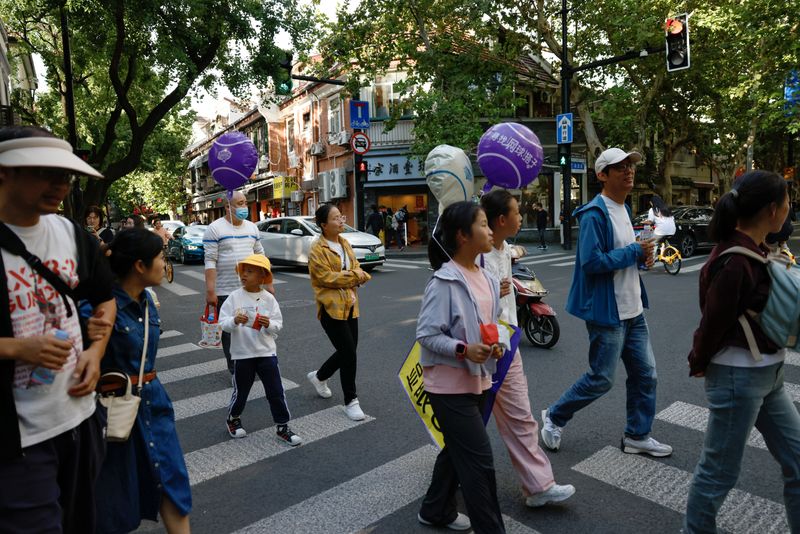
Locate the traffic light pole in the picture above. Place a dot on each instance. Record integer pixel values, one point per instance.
(565, 149)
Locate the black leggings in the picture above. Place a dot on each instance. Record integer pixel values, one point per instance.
(344, 337)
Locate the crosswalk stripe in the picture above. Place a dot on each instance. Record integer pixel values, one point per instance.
(296, 275)
(693, 268)
(177, 349)
(424, 263)
(564, 264)
(550, 258)
(693, 258)
(170, 333)
(215, 400)
(394, 264)
(384, 270)
(668, 486)
(178, 289)
(202, 276)
(230, 455)
(793, 390)
(792, 358)
(694, 417)
(193, 371)
(515, 527)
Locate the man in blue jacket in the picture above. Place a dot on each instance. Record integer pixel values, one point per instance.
(608, 294)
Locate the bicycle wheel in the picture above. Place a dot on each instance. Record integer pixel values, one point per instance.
(671, 258)
(169, 271)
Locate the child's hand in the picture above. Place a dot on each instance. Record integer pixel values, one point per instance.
(241, 318)
(505, 287)
(263, 320)
(478, 352)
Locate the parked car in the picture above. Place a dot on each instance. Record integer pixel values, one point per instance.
(287, 241)
(691, 228)
(187, 243)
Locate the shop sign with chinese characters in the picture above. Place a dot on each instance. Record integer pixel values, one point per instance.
(282, 187)
(393, 168)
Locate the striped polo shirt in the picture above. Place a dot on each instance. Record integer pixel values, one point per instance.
(226, 245)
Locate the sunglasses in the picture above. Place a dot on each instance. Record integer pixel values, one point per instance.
(622, 167)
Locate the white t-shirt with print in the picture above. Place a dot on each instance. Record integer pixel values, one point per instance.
(45, 411)
(225, 246)
(498, 263)
(627, 291)
(246, 341)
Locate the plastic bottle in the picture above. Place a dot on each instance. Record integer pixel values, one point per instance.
(646, 233)
(43, 376)
(211, 310)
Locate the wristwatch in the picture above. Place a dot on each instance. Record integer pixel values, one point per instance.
(461, 351)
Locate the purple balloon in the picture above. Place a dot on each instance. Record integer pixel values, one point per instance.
(510, 156)
(232, 159)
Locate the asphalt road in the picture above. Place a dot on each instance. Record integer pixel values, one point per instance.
(370, 476)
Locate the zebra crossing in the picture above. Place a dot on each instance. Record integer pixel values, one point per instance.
(198, 382)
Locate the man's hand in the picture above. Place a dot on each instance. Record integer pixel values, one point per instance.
(87, 371)
(263, 320)
(98, 327)
(44, 351)
(478, 352)
(505, 287)
(211, 298)
(648, 246)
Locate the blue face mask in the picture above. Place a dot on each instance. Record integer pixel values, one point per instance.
(242, 213)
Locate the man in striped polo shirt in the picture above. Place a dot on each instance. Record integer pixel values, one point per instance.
(227, 241)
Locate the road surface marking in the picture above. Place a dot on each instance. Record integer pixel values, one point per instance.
(296, 275)
(564, 264)
(177, 349)
(384, 270)
(170, 333)
(202, 276)
(216, 400)
(550, 257)
(394, 264)
(193, 371)
(696, 418)
(363, 501)
(742, 512)
(178, 289)
(792, 358)
(693, 268)
(233, 454)
(423, 263)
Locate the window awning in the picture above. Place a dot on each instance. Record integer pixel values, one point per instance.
(704, 185)
(198, 161)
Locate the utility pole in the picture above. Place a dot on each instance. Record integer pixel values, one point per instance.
(565, 149)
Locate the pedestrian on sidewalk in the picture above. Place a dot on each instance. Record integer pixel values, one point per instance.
(144, 477)
(512, 405)
(375, 221)
(742, 391)
(253, 318)
(458, 368)
(336, 276)
(541, 225)
(608, 294)
(390, 230)
(227, 241)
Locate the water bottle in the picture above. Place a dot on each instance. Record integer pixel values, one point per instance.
(211, 310)
(42, 376)
(646, 233)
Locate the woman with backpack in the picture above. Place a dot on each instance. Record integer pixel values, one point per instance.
(743, 389)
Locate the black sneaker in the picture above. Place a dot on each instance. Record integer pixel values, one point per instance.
(235, 429)
(285, 433)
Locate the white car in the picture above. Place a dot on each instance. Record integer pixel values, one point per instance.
(287, 241)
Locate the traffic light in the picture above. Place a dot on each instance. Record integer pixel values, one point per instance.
(362, 168)
(676, 31)
(283, 77)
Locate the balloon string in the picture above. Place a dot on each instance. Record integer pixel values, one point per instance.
(433, 234)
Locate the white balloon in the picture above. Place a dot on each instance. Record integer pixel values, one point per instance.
(448, 172)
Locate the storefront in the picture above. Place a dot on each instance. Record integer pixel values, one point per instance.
(396, 181)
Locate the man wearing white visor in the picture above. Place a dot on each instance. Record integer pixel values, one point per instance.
(51, 443)
(608, 294)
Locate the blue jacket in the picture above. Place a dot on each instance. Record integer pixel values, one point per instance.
(591, 296)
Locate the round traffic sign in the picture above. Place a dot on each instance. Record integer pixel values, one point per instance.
(360, 143)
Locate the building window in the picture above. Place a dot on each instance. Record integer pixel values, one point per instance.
(290, 135)
(386, 95)
(306, 121)
(334, 114)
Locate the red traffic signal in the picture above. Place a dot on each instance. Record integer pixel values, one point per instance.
(676, 31)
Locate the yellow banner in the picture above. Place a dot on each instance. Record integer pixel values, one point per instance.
(282, 187)
(411, 378)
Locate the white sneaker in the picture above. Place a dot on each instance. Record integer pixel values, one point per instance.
(645, 446)
(551, 433)
(353, 411)
(320, 385)
(553, 494)
(461, 522)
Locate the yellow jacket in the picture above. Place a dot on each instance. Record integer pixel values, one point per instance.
(334, 289)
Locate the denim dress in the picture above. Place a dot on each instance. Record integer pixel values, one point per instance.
(138, 472)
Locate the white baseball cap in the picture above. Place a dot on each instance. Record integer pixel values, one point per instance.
(614, 155)
(43, 152)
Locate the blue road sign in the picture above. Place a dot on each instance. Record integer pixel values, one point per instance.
(564, 128)
(359, 114)
(578, 165)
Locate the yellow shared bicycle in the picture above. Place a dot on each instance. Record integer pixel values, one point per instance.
(670, 257)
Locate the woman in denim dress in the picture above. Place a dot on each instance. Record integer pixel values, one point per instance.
(146, 475)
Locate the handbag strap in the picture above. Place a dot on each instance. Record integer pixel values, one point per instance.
(144, 347)
(12, 243)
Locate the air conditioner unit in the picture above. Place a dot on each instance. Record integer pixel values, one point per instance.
(297, 196)
(324, 184)
(317, 149)
(338, 183)
(294, 161)
(339, 138)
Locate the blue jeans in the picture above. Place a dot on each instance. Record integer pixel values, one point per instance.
(740, 398)
(629, 341)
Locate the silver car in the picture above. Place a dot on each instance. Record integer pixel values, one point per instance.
(287, 241)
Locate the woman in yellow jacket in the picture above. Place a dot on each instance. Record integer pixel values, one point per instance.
(335, 277)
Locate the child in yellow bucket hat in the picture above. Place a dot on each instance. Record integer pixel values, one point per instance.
(252, 316)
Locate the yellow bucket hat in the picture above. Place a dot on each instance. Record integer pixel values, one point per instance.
(258, 260)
